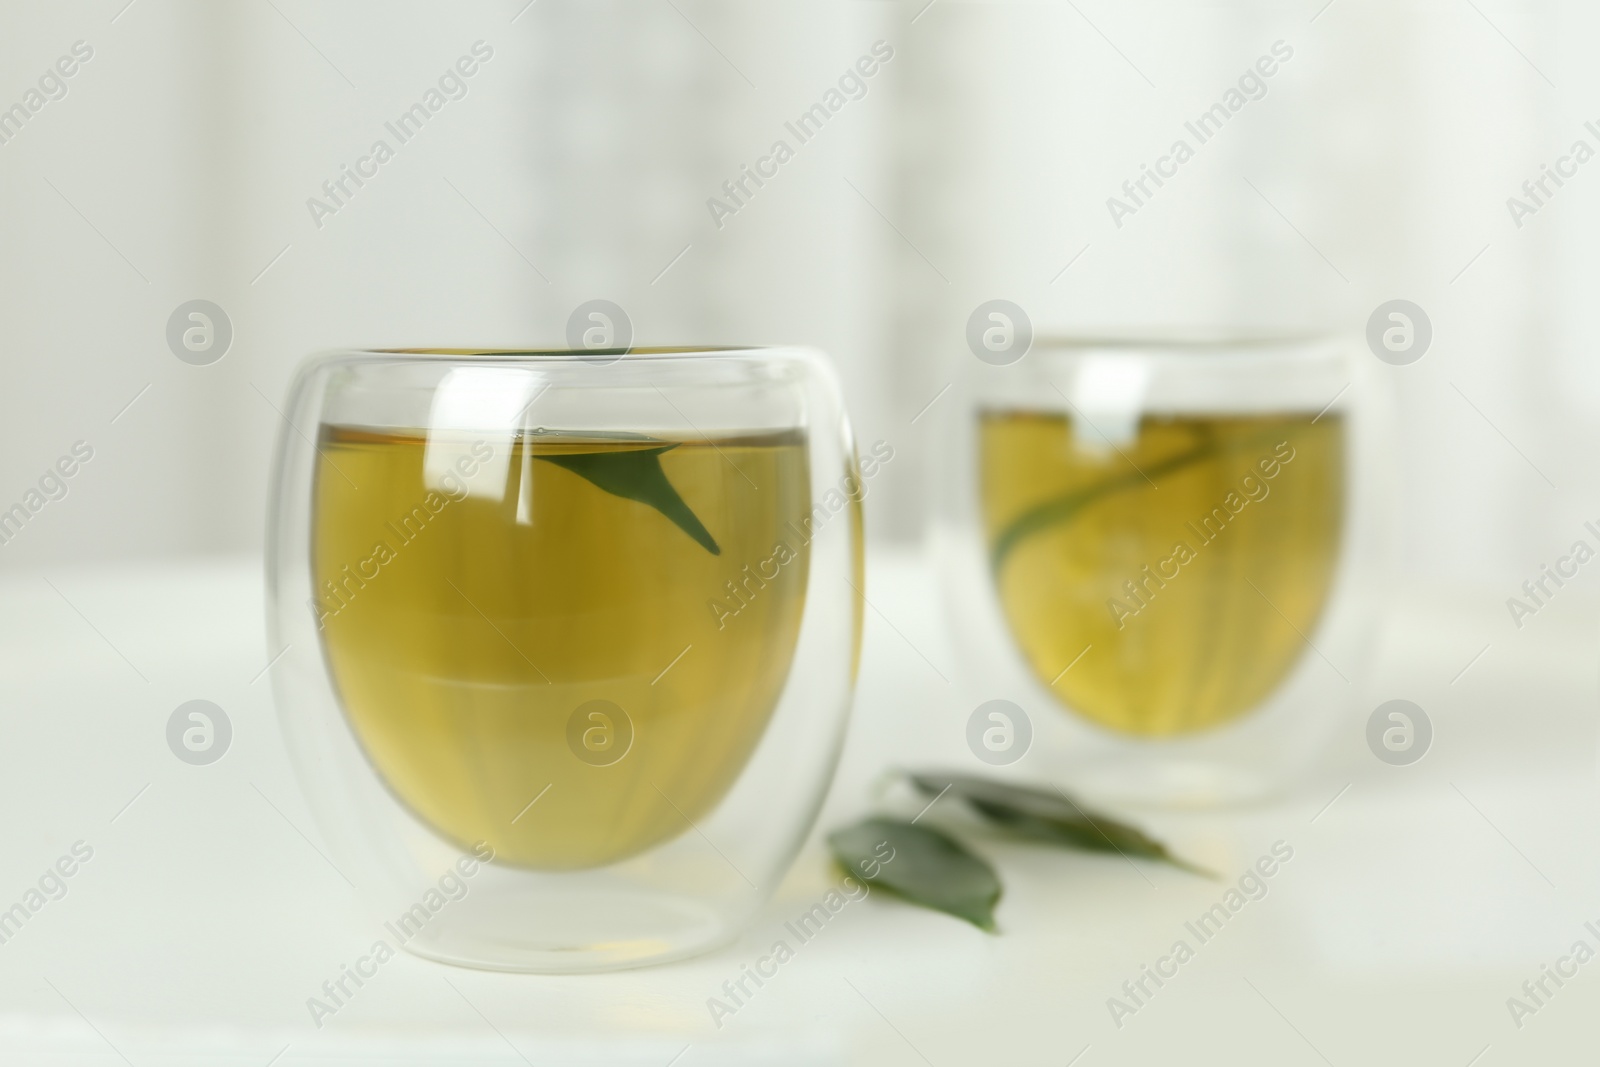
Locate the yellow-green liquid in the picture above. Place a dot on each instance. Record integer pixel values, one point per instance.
(1214, 626)
(479, 620)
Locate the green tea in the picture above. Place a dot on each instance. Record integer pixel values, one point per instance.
(525, 636)
(1187, 568)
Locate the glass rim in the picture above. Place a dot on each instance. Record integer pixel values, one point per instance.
(735, 388)
(568, 355)
(1197, 343)
(1199, 372)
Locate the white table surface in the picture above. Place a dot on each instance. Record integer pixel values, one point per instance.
(1414, 907)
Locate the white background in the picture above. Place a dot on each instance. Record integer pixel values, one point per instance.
(977, 166)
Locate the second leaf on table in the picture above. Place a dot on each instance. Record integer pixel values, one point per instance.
(1046, 815)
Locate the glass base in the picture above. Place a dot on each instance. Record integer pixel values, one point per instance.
(572, 932)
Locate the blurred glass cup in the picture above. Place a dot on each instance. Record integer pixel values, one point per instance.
(1175, 543)
(569, 638)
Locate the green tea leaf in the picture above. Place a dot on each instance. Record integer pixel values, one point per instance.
(920, 864)
(636, 474)
(1048, 815)
(1061, 508)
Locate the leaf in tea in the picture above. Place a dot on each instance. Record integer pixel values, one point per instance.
(636, 474)
(1185, 567)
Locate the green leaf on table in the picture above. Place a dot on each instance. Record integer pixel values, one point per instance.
(636, 474)
(1047, 815)
(920, 864)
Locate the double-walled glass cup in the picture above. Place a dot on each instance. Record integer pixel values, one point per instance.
(1166, 554)
(570, 638)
